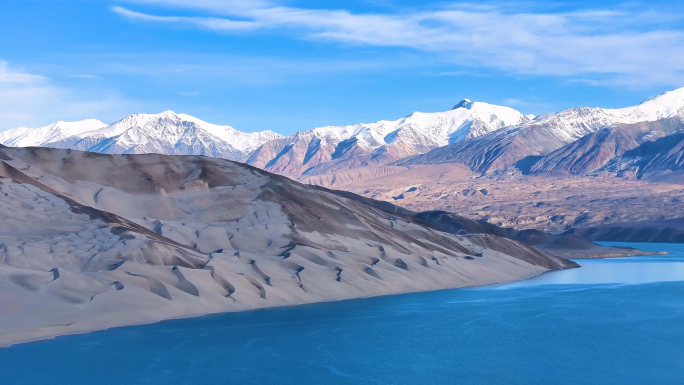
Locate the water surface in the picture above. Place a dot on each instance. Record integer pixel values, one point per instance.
(616, 321)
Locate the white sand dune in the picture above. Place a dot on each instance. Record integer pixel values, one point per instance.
(90, 241)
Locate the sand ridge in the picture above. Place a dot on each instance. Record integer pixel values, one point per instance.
(90, 241)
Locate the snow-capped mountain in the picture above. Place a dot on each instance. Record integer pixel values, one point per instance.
(164, 133)
(570, 125)
(485, 137)
(36, 137)
(547, 133)
(342, 147)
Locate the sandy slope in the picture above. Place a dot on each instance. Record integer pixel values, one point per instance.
(90, 241)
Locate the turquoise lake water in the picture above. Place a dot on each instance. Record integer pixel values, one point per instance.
(616, 321)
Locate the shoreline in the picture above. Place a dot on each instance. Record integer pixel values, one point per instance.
(596, 253)
(51, 336)
(4, 345)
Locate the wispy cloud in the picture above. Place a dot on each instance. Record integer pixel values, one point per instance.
(231, 70)
(84, 76)
(520, 103)
(32, 100)
(453, 73)
(621, 45)
(216, 24)
(8, 75)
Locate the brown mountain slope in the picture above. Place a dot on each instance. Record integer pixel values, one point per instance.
(588, 153)
(306, 153)
(527, 201)
(659, 160)
(594, 151)
(495, 151)
(384, 176)
(292, 155)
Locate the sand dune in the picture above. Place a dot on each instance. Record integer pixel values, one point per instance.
(90, 241)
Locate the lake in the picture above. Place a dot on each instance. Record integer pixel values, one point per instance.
(615, 321)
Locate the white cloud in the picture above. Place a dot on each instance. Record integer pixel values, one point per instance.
(620, 45)
(17, 76)
(519, 103)
(212, 23)
(191, 71)
(84, 76)
(31, 101)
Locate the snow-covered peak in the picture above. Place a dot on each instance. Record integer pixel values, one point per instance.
(166, 114)
(569, 125)
(134, 120)
(31, 137)
(169, 126)
(465, 103)
(666, 105)
(166, 132)
(424, 129)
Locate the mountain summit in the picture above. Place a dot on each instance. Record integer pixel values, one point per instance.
(465, 103)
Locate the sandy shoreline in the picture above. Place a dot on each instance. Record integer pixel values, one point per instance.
(7, 343)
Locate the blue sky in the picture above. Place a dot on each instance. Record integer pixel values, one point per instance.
(289, 65)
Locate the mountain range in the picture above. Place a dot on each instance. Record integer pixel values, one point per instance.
(165, 133)
(326, 149)
(506, 147)
(485, 138)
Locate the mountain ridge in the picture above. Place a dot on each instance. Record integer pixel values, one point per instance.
(547, 133)
(484, 137)
(594, 152)
(335, 148)
(36, 137)
(166, 133)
